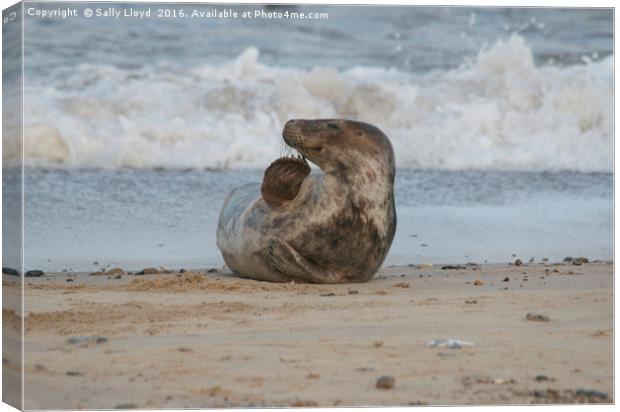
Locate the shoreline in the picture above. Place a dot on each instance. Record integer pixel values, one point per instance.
(203, 340)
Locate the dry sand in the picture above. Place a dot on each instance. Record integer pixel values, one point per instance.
(212, 340)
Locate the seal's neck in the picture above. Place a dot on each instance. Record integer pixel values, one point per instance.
(368, 180)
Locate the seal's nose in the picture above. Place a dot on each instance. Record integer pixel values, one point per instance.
(291, 123)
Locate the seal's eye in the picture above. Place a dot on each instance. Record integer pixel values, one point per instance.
(333, 126)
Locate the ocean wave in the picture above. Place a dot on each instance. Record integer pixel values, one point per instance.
(497, 112)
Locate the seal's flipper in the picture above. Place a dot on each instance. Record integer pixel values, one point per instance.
(282, 180)
(286, 260)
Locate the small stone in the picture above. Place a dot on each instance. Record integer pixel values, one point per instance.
(377, 343)
(541, 378)
(591, 394)
(312, 375)
(580, 261)
(537, 317)
(386, 382)
(126, 406)
(518, 262)
(182, 271)
(567, 259)
(506, 279)
(478, 282)
(115, 271)
(353, 292)
(328, 294)
(556, 271)
(74, 373)
(212, 270)
(34, 273)
(453, 267)
(118, 277)
(471, 302)
(69, 280)
(10, 271)
(148, 271)
(401, 285)
(185, 350)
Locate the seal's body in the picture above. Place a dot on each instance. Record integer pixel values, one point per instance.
(331, 227)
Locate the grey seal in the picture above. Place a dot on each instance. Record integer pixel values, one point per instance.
(332, 226)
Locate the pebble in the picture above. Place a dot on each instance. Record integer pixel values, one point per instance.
(212, 270)
(457, 267)
(567, 259)
(386, 382)
(69, 280)
(182, 271)
(591, 394)
(80, 339)
(328, 294)
(34, 273)
(118, 276)
(10, 271)
(541, 378)
(74, 373)
(148, 271)
(115, 271)
(506, 279)
(478, 282)
(353, 292)
(126, 406)
(401, 285)
(471, 302)
(518, 262)
(537, 317)
(580, 261)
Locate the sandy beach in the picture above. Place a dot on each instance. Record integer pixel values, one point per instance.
(202, 340)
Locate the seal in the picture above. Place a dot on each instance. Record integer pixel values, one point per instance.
(332, 226)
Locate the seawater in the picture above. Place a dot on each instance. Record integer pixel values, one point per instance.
(139, 218)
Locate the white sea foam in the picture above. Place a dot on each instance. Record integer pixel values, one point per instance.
(499, 111)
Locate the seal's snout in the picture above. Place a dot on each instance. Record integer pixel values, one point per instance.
(291, 132)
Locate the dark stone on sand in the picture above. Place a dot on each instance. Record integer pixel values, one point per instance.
(591, 394)
(518, 262)
(181, 270)
(453, 267)
(118, 276)
(115, 272)
(328, 294)
(541, 378)
(506, 279)
(81, 339)
(385, 382)
(580, 261)
(9, 271)
(353, 292)
(74, 373)
(567, 259)
(535, 317)
(212, 270)
(126, 406)
(471, 302)
(34, 273)
(148, 271)
(69, 280)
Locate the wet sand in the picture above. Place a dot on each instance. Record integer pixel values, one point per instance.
(204, 340)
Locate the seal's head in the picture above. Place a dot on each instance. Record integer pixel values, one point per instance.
(338, 145)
